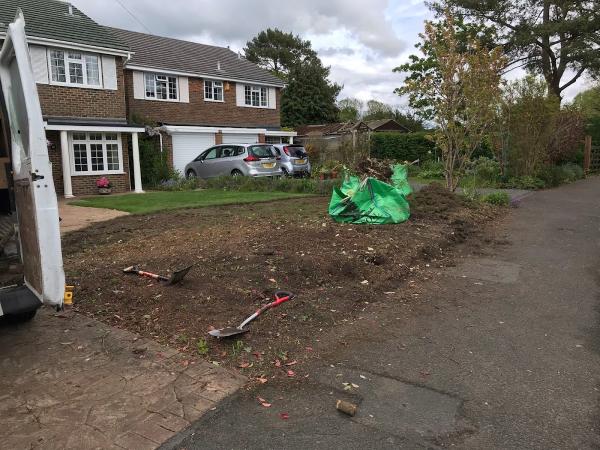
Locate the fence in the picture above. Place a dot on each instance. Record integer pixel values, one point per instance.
(591, 156)
(595, 159)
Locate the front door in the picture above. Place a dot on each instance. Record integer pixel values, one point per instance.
(35, 198)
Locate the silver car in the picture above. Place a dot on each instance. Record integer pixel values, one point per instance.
(294, 159)
(252, 160)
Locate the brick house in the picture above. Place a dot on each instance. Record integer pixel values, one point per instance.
(92, 81)
(199, 95)
(78, 68)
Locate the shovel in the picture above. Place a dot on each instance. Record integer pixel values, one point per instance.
(175, 277)
(280, 297)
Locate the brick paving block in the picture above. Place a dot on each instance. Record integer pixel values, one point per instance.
(151, 429)
(132, 441)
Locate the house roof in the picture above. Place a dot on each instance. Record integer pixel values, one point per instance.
(325, 129)
(375, 124)
(50, 19)
(157, 52)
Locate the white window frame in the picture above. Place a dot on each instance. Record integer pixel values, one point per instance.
(87, 143)
(218, 83)
(253, 89)
(66, 61)
(167, 76)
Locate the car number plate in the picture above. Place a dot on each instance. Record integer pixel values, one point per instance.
(300, 161)
(268, 165)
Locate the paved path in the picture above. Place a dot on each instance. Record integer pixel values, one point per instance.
(69, 382)
(501, 351)
(78, 217)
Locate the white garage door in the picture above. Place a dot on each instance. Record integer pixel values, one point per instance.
(187, 146)
(234, 138)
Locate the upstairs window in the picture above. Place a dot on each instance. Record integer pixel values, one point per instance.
(73, 68)
(256, 96)
(160, 87)
(213, 90)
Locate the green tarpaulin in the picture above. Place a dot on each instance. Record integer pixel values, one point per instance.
(372, 201)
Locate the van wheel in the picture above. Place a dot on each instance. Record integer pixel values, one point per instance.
(22, 317)
(190, 174)
(236, 173)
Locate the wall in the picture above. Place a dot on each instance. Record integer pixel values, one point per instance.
(86, 184)
(200, 112)
(65, 101)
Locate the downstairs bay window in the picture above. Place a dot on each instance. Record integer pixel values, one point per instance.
(96, 153)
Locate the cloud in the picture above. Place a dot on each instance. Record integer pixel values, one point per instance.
(235, 21)
(359, 39)
(332, 51)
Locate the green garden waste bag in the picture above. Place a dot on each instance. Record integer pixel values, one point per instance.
(372, 201)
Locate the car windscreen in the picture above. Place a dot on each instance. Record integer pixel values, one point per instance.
(297, 151)
(262, 151)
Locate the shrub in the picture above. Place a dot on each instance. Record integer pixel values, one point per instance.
(402, 146)
(176, 182)
(557, 175)
(153, 164)
(486, 171)
(525, 182)
(497, 198)
(432, 169)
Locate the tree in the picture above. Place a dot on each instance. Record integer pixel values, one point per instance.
(588, 102)
(558, 39)
(377, 110)
(408, 120)
(350, 109)
(278, 52)
(426, 64)
(528, 114)
(463, 93)
(309, 97)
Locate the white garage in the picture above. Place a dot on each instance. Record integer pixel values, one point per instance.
(187, 146)
(239, 138)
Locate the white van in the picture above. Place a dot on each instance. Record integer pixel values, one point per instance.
(27, 187)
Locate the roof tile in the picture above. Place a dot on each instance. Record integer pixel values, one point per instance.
(164, 53)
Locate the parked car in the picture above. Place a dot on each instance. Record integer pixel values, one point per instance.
(294, 159)
(252, 160)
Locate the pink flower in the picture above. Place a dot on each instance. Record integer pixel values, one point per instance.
(103, 182)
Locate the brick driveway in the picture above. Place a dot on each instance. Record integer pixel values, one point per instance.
(71, 382)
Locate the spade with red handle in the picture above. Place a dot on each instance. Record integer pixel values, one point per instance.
(175, 277)
(280, 297)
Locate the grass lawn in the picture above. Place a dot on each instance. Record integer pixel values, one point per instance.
(159, 201)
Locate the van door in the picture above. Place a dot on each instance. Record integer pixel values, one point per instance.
(35, 197)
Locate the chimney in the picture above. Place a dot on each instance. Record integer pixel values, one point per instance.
(218, 65)
(70, 9)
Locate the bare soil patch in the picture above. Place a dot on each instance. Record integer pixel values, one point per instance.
(242, 255)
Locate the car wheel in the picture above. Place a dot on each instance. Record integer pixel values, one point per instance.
(190, 174)
(21, 317)
(236, 173)
(285, 172)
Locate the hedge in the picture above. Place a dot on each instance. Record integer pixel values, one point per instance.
(402, 146)
(413, 146)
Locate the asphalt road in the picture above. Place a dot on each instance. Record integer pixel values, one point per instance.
(500, 351)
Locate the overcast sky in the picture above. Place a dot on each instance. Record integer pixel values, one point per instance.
(362, 40)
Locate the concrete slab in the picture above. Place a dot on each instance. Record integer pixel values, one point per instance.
(77, 217)
(70, 382)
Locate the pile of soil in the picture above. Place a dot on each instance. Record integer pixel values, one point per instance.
(242, 254)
